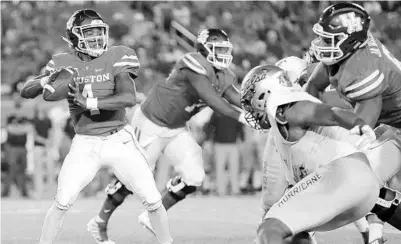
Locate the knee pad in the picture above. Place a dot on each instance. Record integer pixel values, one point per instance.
(117, 192)
(194, 176)
(63, 207)
(386, 204)
(179, 189)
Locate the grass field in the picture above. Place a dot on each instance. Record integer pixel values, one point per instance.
(200, 219)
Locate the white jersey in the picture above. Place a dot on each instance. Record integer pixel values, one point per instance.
(319, 146)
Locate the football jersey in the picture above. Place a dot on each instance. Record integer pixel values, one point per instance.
(319, 145)
(96, 79)
(171, 103)
(369, 72)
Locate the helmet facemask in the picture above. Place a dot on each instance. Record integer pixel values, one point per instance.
(92, 38)
(254, 105)
(216, 47)
(219, 53)
(326, 47)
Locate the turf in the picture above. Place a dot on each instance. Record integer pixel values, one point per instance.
(199, 219)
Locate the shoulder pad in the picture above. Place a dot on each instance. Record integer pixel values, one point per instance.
(120, 51)
(196, 62)
(58, 60)
(124, 59)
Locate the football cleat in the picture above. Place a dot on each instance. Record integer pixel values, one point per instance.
(98, 231)
(144, 220)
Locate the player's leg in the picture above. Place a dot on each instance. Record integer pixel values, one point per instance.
(79, 168)
(146, 134)
(234, 168)
(127, 160)
(186, 158)
(388, 143)
(317, 201)
(388, 207)
(220, 159)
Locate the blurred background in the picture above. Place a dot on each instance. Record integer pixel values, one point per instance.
(35, 136)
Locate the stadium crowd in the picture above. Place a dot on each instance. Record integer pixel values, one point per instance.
(261, 32)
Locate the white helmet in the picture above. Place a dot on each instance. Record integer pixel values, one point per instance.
(295, 69)
(257, 87)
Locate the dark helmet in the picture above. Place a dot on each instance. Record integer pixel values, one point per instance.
(81, 22)
(215, 46)
(341, 29)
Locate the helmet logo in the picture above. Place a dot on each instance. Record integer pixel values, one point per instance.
(96, 22)
(352, 22)
(202, 37)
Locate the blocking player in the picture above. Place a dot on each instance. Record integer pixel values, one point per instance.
(197, 80)
(325, 168)
(365, 74)
(103, 88)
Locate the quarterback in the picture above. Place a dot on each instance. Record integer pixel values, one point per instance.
(197, 80)
(323, 167)
(103, 87)
(365, 74)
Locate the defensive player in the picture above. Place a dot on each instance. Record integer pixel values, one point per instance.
(365, 74)
(103, 88)
(276, 179)
(325, 168)
(197, 80)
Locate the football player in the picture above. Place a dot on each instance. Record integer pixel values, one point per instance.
(103, 87)
(324, 168)
(365, 74)
(277, 180)
(197, 80)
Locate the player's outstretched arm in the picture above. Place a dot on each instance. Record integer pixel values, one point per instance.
(34, 87)
(318, 81)
(206, 92)
(124, 96)
(306, 113)
(233, 96)
(369, 110)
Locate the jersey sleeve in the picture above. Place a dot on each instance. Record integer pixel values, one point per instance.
(230, 80)
(57, 61)
(365, 86)
(125, 60)
(193, 62)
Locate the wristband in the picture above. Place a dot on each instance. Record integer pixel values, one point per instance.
(91, 103)
(49, 88)
(44, 80)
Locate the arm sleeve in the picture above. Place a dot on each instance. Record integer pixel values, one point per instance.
(365, 86)
(126, 60)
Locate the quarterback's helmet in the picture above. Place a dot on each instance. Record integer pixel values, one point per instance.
(87, 32)
(258, 84)
(341, 29)
(215, 46)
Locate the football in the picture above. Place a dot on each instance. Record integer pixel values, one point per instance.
(57, 89)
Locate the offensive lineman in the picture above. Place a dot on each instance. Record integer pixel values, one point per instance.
(325, 168)
(366, 75)
(103, 88)
(197, 80)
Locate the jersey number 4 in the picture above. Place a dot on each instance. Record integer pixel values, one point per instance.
(88, 93)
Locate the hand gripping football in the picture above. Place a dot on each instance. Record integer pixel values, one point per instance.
(57, 88)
